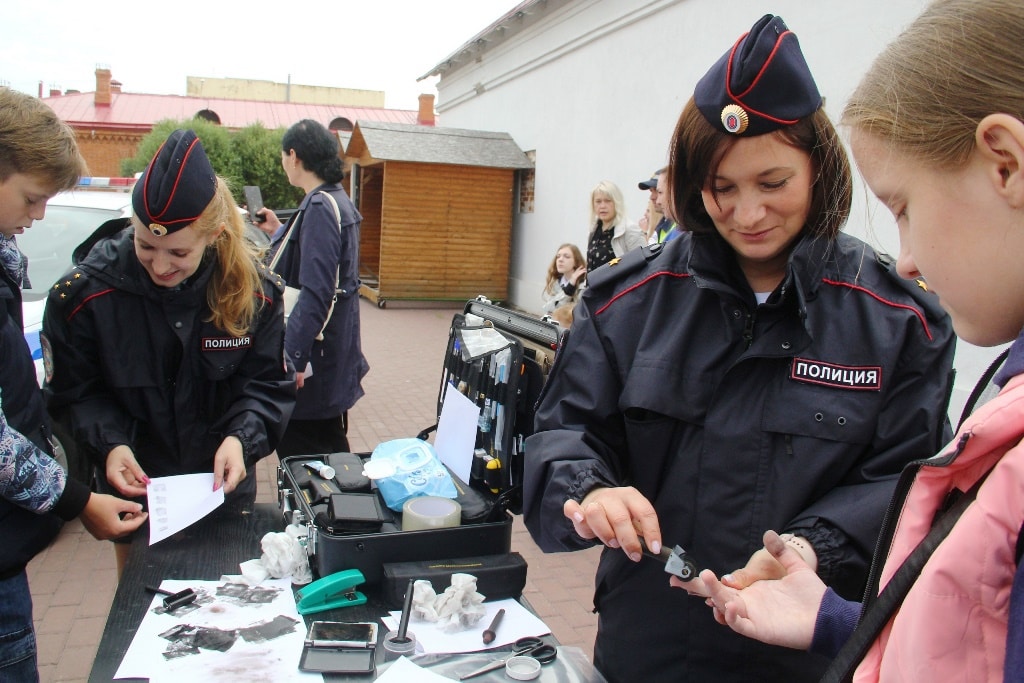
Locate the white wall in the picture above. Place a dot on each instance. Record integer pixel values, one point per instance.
(595, 88)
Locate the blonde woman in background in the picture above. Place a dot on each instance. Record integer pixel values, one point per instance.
(611, 233)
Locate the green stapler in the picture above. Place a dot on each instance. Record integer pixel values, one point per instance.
(330, 592)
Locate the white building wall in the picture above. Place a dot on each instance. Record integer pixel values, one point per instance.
(595, 87)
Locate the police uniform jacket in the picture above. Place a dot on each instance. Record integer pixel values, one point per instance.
(733, 418)
(140, 365)
(23, 532)
(323, 262)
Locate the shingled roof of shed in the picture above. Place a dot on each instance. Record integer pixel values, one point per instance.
(374, 141)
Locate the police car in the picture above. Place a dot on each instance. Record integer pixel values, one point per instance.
(70, 218)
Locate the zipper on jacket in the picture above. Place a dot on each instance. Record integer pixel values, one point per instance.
(748, 329)
(892, 515)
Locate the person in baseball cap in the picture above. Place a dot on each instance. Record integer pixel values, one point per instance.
(651, 183)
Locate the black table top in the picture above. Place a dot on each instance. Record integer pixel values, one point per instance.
(215, 546)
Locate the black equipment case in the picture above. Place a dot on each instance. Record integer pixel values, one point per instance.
(494, 491)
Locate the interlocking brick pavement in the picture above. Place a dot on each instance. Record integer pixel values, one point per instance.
(73, 581)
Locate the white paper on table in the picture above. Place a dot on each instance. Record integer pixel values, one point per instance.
(456, 432)
(517, 623)
(276, 659)
(404, 671)
(176, 502)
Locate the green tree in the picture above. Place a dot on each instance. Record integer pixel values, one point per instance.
(252, 156)
(258, 151)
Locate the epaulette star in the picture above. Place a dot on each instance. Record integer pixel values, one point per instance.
(614, 261)
(922, 284)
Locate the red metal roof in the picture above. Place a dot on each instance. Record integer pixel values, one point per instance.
(135, 111)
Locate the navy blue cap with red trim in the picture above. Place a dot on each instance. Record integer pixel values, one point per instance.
(178, 185)
(760, 85)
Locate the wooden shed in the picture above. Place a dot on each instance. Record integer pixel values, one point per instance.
(437, 210)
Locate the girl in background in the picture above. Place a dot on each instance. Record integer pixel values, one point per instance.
(566, 278)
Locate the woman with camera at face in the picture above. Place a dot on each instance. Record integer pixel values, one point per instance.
(769, 389)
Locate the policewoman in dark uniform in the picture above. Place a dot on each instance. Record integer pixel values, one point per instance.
(166, 342)
(787, 377)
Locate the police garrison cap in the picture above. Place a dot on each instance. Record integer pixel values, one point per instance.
(178, 185)
(760, 85)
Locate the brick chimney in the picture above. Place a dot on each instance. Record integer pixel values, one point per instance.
(54, 92)
(425, 117)
(115, 87)
(102, 97)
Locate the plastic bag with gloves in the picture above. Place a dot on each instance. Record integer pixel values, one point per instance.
(406, 468)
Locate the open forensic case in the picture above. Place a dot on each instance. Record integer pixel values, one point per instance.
(497, 358)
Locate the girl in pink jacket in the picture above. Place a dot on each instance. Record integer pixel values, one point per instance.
(937, 131)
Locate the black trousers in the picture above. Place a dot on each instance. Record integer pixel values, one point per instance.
(314, 437)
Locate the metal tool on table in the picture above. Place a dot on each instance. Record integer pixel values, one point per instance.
(530, 646)
(175, 600)
(677, 561)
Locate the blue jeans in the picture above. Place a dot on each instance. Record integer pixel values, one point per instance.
(17, 639)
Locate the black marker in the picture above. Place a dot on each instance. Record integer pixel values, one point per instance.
(403, 624)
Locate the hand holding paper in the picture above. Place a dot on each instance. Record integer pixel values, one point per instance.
(176, 502)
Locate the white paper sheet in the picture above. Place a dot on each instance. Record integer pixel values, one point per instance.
(456, 432)
(403, 671)
(250, 659)
(517, 623)
(176, 502)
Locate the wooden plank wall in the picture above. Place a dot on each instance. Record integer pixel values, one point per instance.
(370, 193)
(445, 231)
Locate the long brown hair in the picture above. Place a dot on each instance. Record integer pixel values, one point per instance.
(553, 274)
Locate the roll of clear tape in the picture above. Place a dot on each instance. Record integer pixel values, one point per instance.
(430, 512)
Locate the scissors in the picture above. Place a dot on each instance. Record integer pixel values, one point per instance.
(530, 646)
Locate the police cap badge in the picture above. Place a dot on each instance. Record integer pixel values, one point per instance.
(177, 186)
(760, 85)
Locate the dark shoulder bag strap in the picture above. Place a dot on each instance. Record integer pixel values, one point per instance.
(889, 600)
(983, 387)
(1020, 544)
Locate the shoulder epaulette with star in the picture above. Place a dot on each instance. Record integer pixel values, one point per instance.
(620, 267)
(272, 277)
(67, 287)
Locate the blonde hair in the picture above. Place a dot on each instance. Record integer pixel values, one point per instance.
(958, 62)
(609, 188)
(235, 292)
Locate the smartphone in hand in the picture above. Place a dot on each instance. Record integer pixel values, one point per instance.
(254, 202)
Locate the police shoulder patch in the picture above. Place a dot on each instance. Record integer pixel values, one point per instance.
(44, 344)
